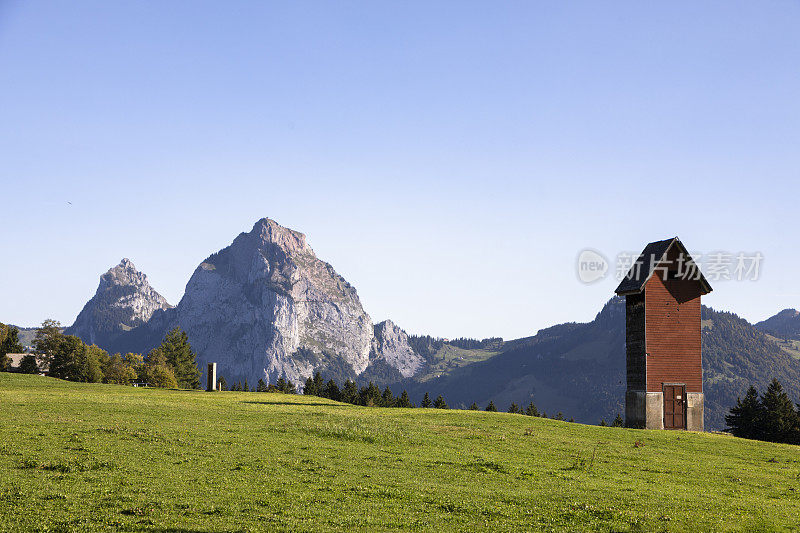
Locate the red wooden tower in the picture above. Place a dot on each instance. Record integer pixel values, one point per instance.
(662, 338)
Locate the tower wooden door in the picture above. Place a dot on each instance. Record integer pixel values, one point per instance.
(674, 406)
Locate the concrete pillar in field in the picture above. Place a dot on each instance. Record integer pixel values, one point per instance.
(211, 384)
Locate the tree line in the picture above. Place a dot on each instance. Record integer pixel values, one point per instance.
(172, 364)
(771, 416)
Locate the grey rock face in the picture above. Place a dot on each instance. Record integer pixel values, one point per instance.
(267, 307)
(391, 343)
(123, 301)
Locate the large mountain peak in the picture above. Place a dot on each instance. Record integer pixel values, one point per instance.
(270, 232)
(267, 307)
(124, 300)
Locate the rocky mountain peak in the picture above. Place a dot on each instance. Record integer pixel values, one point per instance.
(392, 344)
(124, 300)
(124, 273)
(270, 232)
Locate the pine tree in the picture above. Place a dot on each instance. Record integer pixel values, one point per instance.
(310, 388)
(531, 410)
(369, 395)
(281, 384)
(222, 383)
(261, 386)
(618, 422)
(179, 355)
(319, 384)
(387, 398)
(350, 392)
(744, 419)
(603, 422)
(404, 400)
(491, 408)
(473, 407)
(289, 388)
(246, 386)
(779, 418)
(332, 391)
(439, 403)
(426, 401)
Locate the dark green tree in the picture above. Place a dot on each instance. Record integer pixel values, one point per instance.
(426, 401)
(350, 392)
(246, 386)
(310, 388)
(531, 410)
(180, 356)
(404, 400)
(618, 422)
(491, 408)
(28, 365)
(319, 384)
(603, 422)
(473, 407)
(387, 398)
(514, 408)
(262, 385)
(558, 416)
(222, 383)
(779, 420)
(744, 419)
(332, 391)
(369, 395)
(281, 384)
(9, 343)
(290, 388)
(439, 403)
(67, 358)
(47, 340)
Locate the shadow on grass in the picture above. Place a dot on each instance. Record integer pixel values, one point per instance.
(277, 402)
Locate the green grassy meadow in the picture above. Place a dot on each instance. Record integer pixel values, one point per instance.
(82, 457)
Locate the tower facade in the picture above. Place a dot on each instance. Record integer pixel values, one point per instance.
(663, 352)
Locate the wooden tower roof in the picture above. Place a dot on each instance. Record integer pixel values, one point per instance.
(653, 255)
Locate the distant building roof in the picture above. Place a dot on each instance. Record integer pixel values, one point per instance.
(16, 361)
(651, 258)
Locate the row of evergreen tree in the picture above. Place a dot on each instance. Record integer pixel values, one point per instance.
(771, 416)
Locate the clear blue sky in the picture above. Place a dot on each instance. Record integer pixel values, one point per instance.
(449, 159)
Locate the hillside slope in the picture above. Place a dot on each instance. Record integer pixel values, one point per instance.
(102, 457)
(579, 369)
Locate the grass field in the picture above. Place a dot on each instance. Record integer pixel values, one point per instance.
(449, 358)
(81, 457)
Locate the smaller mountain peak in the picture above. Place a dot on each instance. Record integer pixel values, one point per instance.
(127, 264)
